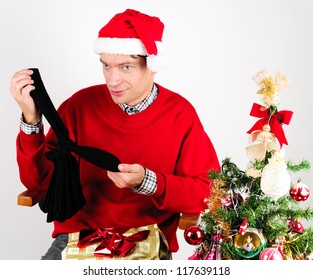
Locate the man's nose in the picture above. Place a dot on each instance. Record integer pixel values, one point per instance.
(113, 78)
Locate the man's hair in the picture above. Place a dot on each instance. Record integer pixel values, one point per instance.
(137, 56)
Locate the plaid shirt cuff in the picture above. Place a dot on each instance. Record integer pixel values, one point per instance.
(31, 128)
(148, 185)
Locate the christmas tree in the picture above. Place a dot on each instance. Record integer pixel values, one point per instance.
(256, 213)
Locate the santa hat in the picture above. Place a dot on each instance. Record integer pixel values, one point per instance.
(133, 33)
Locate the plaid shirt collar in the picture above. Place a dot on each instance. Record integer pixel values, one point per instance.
(144, 104)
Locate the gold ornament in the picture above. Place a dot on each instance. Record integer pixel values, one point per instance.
(249, 244)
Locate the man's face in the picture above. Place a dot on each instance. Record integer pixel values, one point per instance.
(127, 77)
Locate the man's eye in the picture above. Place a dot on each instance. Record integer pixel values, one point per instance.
(105, 66)
(126, 67)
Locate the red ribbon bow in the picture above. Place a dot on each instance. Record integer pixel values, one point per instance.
(113, 242)
(275, 121)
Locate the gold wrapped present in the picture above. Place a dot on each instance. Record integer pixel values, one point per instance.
(140, 243)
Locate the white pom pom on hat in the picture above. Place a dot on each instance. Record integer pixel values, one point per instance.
(134, 33)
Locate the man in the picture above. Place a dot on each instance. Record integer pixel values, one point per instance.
(165, 153)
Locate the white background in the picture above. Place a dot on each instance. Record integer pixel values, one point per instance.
(213, 48)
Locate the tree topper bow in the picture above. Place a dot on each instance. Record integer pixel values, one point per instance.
(273, 118)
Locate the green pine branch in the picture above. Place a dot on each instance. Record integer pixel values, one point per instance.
(303, 165)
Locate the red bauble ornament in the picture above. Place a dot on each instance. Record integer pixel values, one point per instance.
(272, 253)
(299, 191)
(296, 227)
(193, 235)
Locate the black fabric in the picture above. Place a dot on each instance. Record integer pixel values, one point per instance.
(64, 196)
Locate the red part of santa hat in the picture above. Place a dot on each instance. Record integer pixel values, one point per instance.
(133, 33)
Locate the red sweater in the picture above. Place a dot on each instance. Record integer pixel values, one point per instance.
(166, 138)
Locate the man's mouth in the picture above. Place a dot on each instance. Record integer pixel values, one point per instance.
(117, 93)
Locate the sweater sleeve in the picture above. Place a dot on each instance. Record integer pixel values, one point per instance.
(34, 168)
(186, 189)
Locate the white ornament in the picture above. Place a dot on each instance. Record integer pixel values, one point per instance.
(275, 179)
(260, 142)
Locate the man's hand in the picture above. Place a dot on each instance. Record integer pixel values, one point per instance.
(21, 86)
(130, 175)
